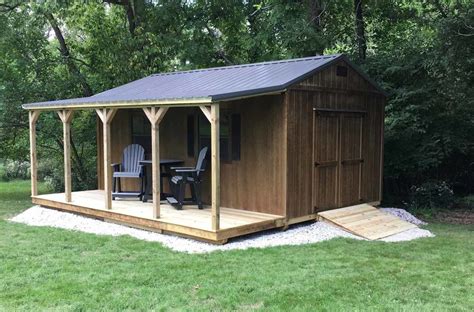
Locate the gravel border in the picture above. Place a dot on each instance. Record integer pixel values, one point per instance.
(408, 235)
(404, 215)
(306, 233)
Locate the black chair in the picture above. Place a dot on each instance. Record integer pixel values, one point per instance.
(191, 176)
(129, 168)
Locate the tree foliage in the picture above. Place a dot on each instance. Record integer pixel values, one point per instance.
(420, 51)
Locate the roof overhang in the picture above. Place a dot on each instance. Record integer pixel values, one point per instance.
(117, 104)
(71, 105)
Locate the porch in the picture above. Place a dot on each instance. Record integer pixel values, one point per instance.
(189, 222)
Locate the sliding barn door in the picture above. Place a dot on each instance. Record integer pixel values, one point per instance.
(326, 160)
(338, 160)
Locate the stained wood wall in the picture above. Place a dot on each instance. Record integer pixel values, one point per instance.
(257, 181)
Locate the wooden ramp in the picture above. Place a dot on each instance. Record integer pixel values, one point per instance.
(366, 221)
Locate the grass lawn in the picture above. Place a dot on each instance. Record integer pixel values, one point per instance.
(53, 269)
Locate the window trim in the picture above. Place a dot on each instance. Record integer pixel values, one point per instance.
(201, 118)
(147, 134)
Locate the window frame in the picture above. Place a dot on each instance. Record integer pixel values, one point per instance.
(146, 131)
(200, 118)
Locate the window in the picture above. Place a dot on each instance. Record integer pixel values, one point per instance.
(224, 129)
(229, 128)
(204, 135)
(190, 125)
(141, 131)
(341, 71)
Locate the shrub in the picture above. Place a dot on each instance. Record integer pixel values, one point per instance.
(15, 170)
(467, 202)
(2, 169)
(51, 172)
(431, 195)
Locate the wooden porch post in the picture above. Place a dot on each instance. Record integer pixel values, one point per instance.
(66, 118)
(215, 167)
(106, 115)
(155, 115)
(33, 117)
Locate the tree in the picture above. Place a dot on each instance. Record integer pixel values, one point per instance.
(134, 10)
(419, 51)
(360, 29)
(68, 59)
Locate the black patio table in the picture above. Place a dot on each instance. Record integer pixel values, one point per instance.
(165, 164)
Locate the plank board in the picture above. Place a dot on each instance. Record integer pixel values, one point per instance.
(366, 221)
(190, 221)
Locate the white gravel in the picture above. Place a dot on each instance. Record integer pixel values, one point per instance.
(296, 235)
(408, 235)
(404, 215)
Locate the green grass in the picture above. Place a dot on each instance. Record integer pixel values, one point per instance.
(53, 269)
(15, 197)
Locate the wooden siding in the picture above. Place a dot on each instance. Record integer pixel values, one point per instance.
(299, 153)
(255, 182)
(327, 91)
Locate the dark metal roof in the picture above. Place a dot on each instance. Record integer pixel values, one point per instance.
(204, 85)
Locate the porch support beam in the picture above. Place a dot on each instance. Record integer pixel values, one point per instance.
(155, 115)
(206, 111)
(215, 168)
(66, 118)
(106, 115)
(33, 117)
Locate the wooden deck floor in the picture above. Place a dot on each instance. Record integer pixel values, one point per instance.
(366, 221)
(190, 221)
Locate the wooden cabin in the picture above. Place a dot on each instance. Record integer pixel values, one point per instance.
(287, 140)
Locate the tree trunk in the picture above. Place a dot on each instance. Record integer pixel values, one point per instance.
(79, 165)
(64, 50)
(76, 159)
(131, 17)
(315, 12)
(315, 9)
(360, 29)
(134, 11)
